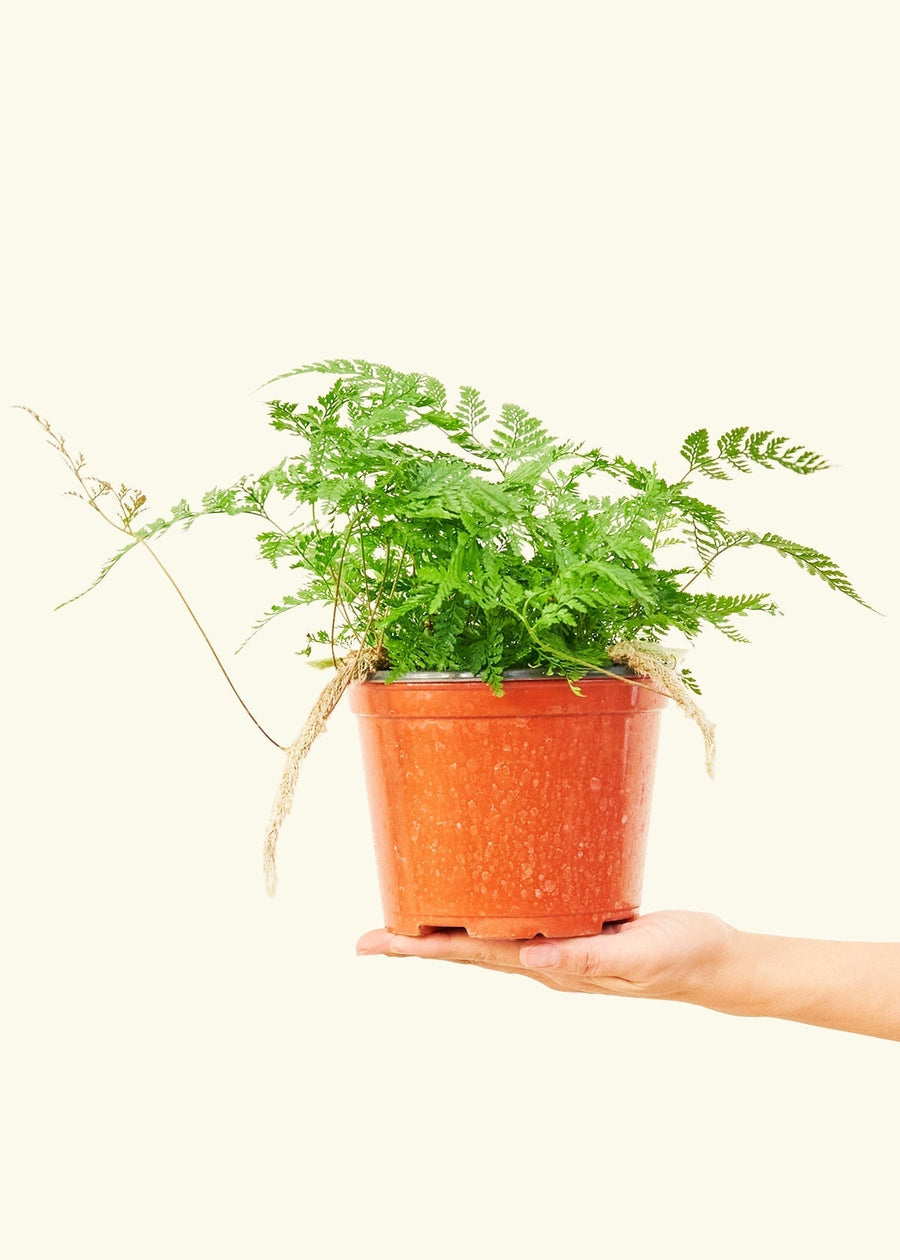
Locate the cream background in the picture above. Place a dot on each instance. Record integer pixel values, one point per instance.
(634, 220)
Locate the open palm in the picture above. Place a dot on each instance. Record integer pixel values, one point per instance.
(668, 954)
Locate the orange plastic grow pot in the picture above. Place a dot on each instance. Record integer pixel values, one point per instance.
(508, 816)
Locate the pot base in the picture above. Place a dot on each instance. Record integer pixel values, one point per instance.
(515, 929)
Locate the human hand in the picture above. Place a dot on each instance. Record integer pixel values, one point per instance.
(677, 954)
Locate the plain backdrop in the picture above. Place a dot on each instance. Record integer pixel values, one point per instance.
(634, 220)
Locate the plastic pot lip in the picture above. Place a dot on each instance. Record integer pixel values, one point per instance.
(510, 675)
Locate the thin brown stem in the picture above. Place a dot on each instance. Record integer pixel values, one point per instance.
(338, 579)
(387, 563)
(393, 586)
(338, 602)
(710, 561)
(75, 466)
(193, 617)
(365, 576)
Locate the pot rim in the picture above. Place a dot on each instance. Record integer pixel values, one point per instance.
(531, 675)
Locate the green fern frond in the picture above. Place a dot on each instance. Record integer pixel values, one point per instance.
(181, 514)
(105, 569)
(719, 611)
(766, 449)
(458, 433)
(435, 392)
(689, 680)
(739, 450)
(808, 558)
(471, 410)
(695, 446)
(517, 436)
(355, 369)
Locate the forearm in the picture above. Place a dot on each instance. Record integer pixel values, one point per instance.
(848, 985)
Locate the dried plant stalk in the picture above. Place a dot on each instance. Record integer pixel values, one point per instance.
(654, 663)
(355, 666)
(644, 660)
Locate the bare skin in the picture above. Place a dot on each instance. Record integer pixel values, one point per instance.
(684, 956)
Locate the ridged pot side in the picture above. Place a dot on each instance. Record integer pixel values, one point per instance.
(508, 816)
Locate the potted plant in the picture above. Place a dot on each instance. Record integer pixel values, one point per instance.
(500, 604)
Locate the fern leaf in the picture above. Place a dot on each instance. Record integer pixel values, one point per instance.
(766, 449)
(435, 392)
(518, 436)
(471, 410)
(732, 450)
(718, 611)
(286, 604)
(359, 369)
(110, 563)
(810, 560)
(689, 680)
(181, 515)
(459, 434)
(695, 447)
(740, 450)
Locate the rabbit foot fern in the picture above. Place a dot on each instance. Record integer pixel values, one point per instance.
(484, 548)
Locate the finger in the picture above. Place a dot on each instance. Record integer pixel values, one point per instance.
(394, 946)
(453, 946)
(375, 942)
(599, 958)
(547, 979)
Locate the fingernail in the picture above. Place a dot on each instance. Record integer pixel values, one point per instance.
(540, 955)
(361, 951)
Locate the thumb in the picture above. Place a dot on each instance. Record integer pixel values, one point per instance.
(578, 956)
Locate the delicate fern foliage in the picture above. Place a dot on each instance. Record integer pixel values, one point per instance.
(808, 558)
(517, 436)
(471, 411)
(488, 548)
(740, 449)
(718, 611)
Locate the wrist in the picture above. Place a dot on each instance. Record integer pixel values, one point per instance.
(727, 978)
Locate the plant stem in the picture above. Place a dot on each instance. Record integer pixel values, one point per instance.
(576, 660)
(338, 577)
(75, 466)
(712, 558)
(193, 617)
(393, 586)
